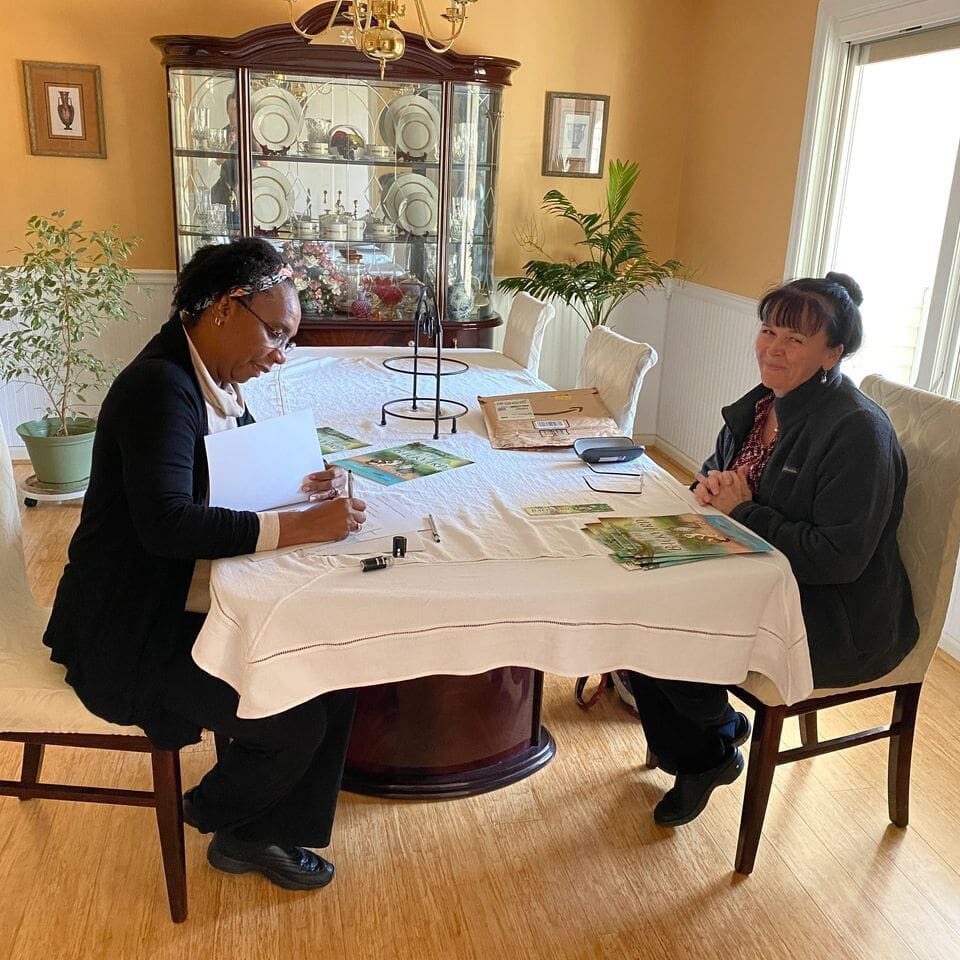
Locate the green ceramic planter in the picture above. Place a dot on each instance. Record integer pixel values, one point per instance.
(59, 461)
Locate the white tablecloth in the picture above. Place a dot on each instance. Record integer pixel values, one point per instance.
(499, 589)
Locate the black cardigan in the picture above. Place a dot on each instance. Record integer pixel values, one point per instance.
(830, 499)
(118, 614)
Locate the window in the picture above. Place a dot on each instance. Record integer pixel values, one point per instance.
(880, 197)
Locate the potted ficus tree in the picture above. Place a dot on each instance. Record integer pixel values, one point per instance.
(616, 264)
(69, 280)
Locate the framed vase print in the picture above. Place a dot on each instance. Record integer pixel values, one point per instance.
(574, 134)
(64, 109)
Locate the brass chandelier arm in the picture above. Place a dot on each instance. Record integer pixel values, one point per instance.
(436, 44)
(313, 36)
(361, 14)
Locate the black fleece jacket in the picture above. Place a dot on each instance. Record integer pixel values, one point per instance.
(830, 499)
(118, 614)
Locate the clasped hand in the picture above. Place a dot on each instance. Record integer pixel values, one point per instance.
(723, 489)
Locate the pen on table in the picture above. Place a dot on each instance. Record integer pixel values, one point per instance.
(433, 528)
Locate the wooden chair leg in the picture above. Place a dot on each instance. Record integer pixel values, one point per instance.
(220, 743)
(764, 748)
(32, 762)
(905, 704)
(808, 728)
(169, 808)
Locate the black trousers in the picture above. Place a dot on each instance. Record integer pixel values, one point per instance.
(689, 726)
(280, 777)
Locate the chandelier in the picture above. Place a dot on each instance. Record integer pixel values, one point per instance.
(373, 34)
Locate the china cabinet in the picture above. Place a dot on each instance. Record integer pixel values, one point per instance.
(370, 186)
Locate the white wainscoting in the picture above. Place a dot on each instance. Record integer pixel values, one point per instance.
(642, 318)
(707, 361)
(119, 343)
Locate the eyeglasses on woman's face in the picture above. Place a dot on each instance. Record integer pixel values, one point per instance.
(276, 336)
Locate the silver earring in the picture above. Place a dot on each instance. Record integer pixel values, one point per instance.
(823, 376)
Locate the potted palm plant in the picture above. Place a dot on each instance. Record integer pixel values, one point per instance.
(618, 264)
(69, 280)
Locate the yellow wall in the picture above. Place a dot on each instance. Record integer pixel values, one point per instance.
(743, 141)
(563, 45)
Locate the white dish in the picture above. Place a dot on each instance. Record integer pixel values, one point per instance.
(270, 207)
(274, 126)
(269, 173)
(417, 214)
(391, 113)
(408, 185)
(416, 133)
(276, 93)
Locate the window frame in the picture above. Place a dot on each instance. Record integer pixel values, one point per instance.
(842, 25)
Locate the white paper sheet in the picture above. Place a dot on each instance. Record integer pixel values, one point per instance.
(262, 465)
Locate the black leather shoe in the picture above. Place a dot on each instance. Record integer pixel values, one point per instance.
(741, 734)
(189, 815)
(688, 797)
(293, 868)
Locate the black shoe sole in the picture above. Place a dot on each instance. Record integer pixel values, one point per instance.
(229, 865)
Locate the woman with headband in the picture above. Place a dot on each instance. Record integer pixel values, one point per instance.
(135, 590)
(813, 466)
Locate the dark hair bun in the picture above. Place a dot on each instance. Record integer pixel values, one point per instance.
(848, 283)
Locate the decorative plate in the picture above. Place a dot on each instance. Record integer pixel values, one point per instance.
(270, 173)
(270, 208)
(416, 133)
(392, 112)
(274, 127)
(417, 214)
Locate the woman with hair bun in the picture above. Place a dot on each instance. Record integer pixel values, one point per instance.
(135, 591)
(813, 466)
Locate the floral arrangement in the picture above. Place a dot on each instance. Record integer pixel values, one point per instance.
(319, 282)
(387, 293)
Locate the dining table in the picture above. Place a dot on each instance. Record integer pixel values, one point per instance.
(448, 645)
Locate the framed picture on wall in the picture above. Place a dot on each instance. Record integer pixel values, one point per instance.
(574, 134)
(64, 109)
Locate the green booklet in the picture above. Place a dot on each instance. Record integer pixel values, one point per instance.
(398, 464)
(642, 543)
(333, 441)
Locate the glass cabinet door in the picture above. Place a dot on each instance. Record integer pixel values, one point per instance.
(345, 180)
(203, 124)
(471, 199)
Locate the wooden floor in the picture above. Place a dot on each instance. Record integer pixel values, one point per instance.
(567, 864)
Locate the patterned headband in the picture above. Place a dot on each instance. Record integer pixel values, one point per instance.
(283, 272)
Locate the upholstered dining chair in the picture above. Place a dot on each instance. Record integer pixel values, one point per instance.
(928, 428)
(616, 366)
(38, 708)
(526, 324)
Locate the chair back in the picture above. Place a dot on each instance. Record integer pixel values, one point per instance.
(17, 602)
(616, 366)
(928, 428)
(526, 324)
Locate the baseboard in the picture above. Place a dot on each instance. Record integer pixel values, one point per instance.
(678, 456)
(950, 646)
